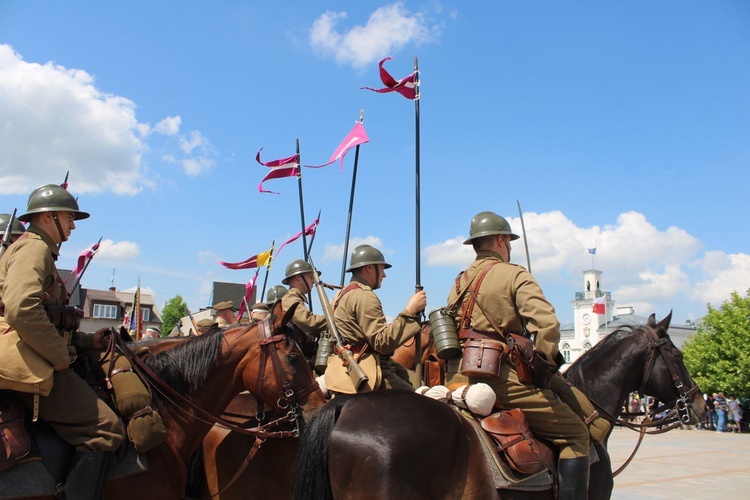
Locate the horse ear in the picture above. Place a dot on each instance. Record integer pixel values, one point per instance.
(651, 320)
(664, 324)
(280, 316)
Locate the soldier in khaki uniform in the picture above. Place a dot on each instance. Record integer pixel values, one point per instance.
(35, 348)
(225, 314)
(511, 295)
(359, 319)
(299, 277)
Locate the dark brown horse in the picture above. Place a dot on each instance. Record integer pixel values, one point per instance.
(397, 444)
(210, 370)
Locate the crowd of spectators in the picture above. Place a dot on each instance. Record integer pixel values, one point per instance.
(723, 414)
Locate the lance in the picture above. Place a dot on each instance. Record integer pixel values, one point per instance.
(85, 266)
(265, 280)
(64, 184)
(351, 204)
(418, 285)
(309, 249)
(9, 231)
(302, 214)
(525, 240)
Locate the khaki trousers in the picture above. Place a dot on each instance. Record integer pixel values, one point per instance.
(77, 414)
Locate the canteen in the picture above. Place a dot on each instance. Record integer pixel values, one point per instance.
(443, 329)
(325, 349)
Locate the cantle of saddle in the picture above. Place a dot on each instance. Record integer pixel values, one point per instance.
(524, 452)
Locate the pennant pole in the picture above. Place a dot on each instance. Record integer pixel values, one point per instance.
(351, 204)
(302, 215)
(268, 269)
(418, 286)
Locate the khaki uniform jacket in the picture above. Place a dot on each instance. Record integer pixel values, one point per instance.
(28, 281)
(360, 319)
(310, 324)
(511, 295)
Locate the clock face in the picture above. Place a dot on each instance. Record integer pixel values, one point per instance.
(586, 319)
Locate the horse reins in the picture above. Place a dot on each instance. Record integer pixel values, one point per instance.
(678, 412)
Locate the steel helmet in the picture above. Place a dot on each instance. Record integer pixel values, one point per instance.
(486, 224)
(365, 255)
(275, 293)
(296, 267)
(52, 198)
(15, 228)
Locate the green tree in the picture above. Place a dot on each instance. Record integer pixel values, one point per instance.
(174, 309)
(718, 355)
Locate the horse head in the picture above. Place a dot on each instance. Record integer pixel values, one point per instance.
(273, 368)
(665, 375)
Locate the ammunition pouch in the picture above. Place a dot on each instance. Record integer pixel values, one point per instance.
(542, 370)
(64, 317)
(15, 443)
(523, 356)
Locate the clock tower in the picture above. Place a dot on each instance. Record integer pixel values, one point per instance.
(587, 323)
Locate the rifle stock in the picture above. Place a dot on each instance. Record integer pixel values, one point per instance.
(358, 376)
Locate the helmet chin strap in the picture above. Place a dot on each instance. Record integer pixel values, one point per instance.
(59, 229)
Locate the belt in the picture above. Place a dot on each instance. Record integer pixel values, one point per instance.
(467, 334)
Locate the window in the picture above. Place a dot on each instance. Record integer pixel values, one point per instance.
(145, 314)
(566, 352)
(586, 346)
(105, 311)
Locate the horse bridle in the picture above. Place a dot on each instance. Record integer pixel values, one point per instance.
(679, 409)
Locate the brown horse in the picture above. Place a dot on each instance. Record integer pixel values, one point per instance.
(397, 444)
(433, 368)
(262, 358)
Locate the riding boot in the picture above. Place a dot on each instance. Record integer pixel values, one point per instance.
(573, 479)
(87, 475)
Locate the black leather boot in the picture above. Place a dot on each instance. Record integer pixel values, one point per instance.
(87, 474)
(573, 479)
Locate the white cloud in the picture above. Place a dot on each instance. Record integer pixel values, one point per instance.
(724, 274)
(642, 264)
(169, 125)
(122, 251)
(333, 253)
(388, 29)
(54, 119)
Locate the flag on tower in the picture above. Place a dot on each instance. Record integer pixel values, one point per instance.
(600, 305)
(592, 251)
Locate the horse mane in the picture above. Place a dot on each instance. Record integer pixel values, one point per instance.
(185, 367)
(613, 337)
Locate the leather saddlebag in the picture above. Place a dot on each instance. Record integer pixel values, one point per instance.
(511, 432)
(482, 358)
(15, 443)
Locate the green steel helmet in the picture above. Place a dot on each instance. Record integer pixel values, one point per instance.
(275, 293)
(486, 224)
(52, 198)
(296, 267)
(15, 228)
(365, 255)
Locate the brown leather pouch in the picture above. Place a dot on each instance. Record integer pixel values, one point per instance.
(15, 443)
(482, 358)
(514, 438)
(522, 355)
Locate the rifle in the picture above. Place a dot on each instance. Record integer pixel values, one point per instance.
(358, 376)
(7, 234)
(195, 325)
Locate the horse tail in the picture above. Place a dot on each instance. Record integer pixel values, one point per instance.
(311, 479)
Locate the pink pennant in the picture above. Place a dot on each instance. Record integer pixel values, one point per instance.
(357, 136)
(308, 231)
(406, 86)
(249, 287)
(285, 167)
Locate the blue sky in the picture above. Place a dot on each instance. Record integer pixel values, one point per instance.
(617, 125)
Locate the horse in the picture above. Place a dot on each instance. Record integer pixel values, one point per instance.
(433, 367)
(398, 444)
(210, 370)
